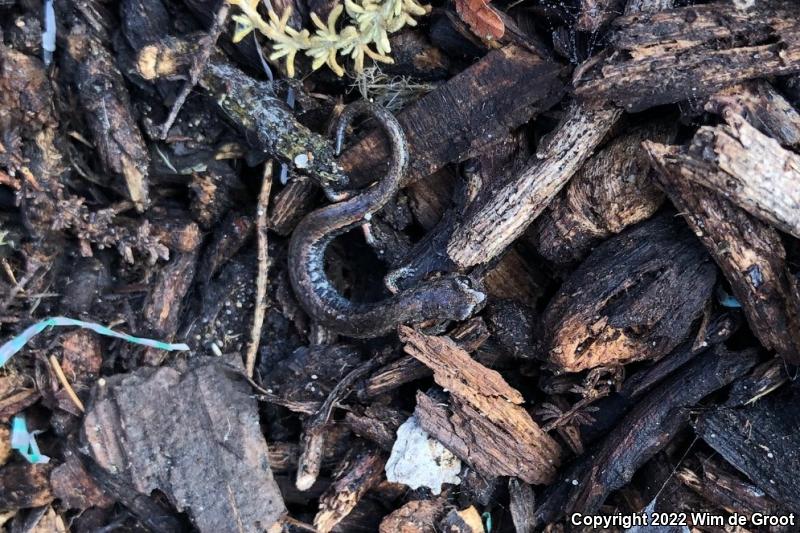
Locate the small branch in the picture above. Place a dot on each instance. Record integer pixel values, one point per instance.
(263, 267)
(198, 65)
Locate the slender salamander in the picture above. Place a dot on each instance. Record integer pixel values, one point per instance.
(450, 297)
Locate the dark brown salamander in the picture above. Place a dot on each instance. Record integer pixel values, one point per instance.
(447, 298)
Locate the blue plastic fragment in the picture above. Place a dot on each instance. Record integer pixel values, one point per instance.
(14, 345)
(25, 442)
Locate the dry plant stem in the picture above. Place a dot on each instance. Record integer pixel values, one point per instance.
(263, 267)
(310, 461)
(65, 383)
(496, 220)
(18, 287)
(199, 62)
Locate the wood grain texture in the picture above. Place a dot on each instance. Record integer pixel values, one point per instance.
(485, 424)
(693, 51)
(749, 252)
(635, 297)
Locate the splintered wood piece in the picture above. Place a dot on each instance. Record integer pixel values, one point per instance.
(612, 191)
(761, 440)
(465, 521)
(522, 505)
(291, 204)
(749, 252)
(164, 302)
(109, 117)
(724, 488)
(357, 475)
(471, 110)
(485, 425)
(502, 214)
(146, 428)
(25, 485)
(417, 516)
(635, 297)
(481, 18)
(763, 107)
(748, 168)
(650, 426)
(693, 51)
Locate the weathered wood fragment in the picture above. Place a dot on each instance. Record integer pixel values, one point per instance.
(693, 51)
(747, 167)
(612, 191)
(652, 424)
(761, 440)
(522, 505)
(724, 488)
(763, 107)
(635, 297)
(25, 485)
(482, 103)
(417, 516)
(749, 252)
(291, 204)
(146, 427)
(485, 425)
(357, 475)
(502, 214)
(108, 113)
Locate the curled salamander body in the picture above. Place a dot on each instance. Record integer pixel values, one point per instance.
(450, 297)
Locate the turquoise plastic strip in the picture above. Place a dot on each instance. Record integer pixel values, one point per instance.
(25, 442)
(16, 344)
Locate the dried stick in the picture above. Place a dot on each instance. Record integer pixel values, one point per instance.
(64, 383)
(198, 65)
(263, 267)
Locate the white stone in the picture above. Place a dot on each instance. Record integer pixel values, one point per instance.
(417, 460)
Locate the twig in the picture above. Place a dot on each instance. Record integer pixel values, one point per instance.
(313, 438)
(198, 65)
(263, 267)
(64, 383)
(18, 287)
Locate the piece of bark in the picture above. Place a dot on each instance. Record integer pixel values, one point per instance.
(465, 521)
(761, 440)
(291, 204)
(522, 505)
(164, 302)
(748, 168)
(145, 426)
(398, 372)
(357, 476)
(652, 424)
(417, 516)
(25, 485)
(82, 357)
(613, 407)
(693, 51)
(763, 380)
(613, 190)
(175, 230)
(76, 489)
(377, 423)
(512, 326)
(749, 252)
(727, 490)
(483, 102)
(488, 427)
(109, 117)
(763, 107)
(502, 214)
(635, 297)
